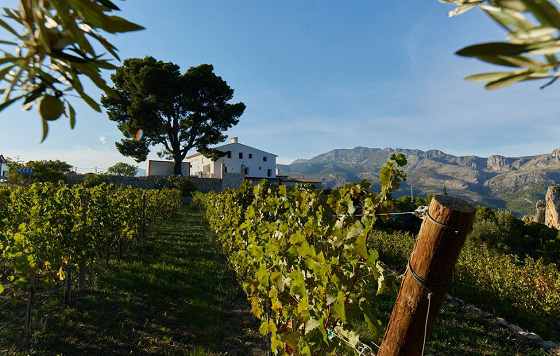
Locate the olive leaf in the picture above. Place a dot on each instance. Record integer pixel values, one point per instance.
(49, 51)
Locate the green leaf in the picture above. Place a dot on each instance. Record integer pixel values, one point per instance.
(507, 81)
(115, 24)
(92, 103)
(493, 49)
(360, 246)
(549, 49)
(45, 132)
(515, 5)
(544, 11)
(8, 43)
(108, 4)
(9, 28)
(463, 8)
(511, 21)
(4, 71)
(339, 306)
(310, 325)
(490, 76)
(506, 61)
(9, 102)
(72, 114)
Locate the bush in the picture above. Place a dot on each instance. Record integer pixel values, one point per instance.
(502, 231)
(93, 180)
(42, 171)
(183, 184)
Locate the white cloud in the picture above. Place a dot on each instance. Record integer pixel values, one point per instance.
(103, 140)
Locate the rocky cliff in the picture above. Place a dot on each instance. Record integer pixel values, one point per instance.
(499, 181)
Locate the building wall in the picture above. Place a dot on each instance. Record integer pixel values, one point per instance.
(3, 170)
(251, 160)
(204, 167)
(166, 168)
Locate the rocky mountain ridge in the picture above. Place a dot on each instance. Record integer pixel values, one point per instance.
(498, 181)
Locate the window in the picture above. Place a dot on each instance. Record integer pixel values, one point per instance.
(250, 155)
(240, 155)
(246, 170)
(264, 159)
(228, 154)
(259, 168)
(269, 172)
(225, 169)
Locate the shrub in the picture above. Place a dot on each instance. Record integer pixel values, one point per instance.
(184, 184)
(93, 179)
(502, 231)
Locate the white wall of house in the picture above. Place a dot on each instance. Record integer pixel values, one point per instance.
(3, 167)
(166, 168)
(203, 167)
(240, 158)
(3, 170)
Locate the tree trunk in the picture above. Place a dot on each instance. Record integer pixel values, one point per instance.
(178, 171)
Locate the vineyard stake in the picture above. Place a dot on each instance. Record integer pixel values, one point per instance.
(143, 215)
(428, 275)
(30, 295)
(68, 286)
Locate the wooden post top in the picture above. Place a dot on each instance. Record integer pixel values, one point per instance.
(455, 203)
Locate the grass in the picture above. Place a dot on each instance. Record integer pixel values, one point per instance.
(174, 297)
(458, 332)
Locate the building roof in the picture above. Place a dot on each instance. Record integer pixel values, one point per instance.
(225, 148)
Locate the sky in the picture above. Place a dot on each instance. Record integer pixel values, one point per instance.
(316, 76)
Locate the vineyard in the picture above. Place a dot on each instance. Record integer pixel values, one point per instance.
(310, 263)
(53, 236)
(102, 269)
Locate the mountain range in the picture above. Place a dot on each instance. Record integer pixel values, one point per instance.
(515, 183)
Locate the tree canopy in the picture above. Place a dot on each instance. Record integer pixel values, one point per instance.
(532, 41)
(50, 46)
(154, 104)
(123, 169)
(39, 171)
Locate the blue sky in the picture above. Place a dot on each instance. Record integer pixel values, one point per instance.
(319, 75)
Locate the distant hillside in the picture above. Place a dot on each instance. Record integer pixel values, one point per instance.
(506, 182)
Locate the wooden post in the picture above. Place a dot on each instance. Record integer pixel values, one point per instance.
(28, 315)
(428, 275)
(143, 232)
(68, 287)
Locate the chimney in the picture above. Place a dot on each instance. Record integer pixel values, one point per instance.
(234, 139)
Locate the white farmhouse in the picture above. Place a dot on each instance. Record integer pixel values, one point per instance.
(239, 158)
(3, 167)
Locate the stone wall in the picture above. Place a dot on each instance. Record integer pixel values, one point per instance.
(207, 184)
(153, 182)
(232, 180)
